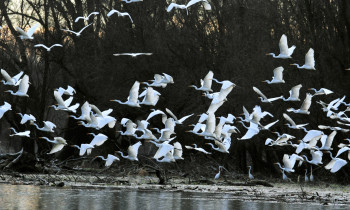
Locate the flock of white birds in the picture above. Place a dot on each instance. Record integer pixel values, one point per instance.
(217, 133)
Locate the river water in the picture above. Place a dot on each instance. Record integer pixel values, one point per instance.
(39, 197)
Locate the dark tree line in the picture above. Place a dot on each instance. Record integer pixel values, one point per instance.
(231, 39)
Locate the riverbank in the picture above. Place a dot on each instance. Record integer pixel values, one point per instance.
(257, 190)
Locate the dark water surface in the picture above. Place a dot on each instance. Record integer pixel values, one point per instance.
(39, 197)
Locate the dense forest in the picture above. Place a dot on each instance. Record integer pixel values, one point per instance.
(231, 40)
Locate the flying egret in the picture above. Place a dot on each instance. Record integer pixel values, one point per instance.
(23, 87)
(177, 121)
(120, 14)
(198, 149)
(335, 164)
(48, 126)
(292, 124)
(84, 148)
(64, 105)
(14, 81)
(222, 146)
(29, 34)
(277, 76)
(59, 144)
(163, 149)
(321, 91)
(130, 127)
(156, 82)
(327, 141)
(99, 122)
(285, 52)
(27, 117)
(77, 33)
(342, 150)
(109, 160)
(133, 96)
(167, 158)
(48, 49)
(150, 95)
(289, 162)
(316, 157)
(4, 108)
(249, 174)
(205, 83)
(177, 151)
(24, 133)
(309, 61)
(293, 94)
(190, 3)
(253, 129)
(85, 113)
(132, 152)
(86, 18)
(304, 109)
(98, 139)
(263, 98)
(69, 91)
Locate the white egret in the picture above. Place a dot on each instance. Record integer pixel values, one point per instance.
(24, 133)
(293, 94)
(26, 118)
(217, 176)
(285, 52)
(277, 76)
(249, 174)
(48, 49)
(177, 121)
(190, 3)
(77, 33)
(327, 141)
(120, 14)
(156, 82)
(132, 152)
(322, 91)
(59, 144)
(64, 105)
(87, 17)
(306, 179)
(316, 157)
(342, 150)
(226, 88)
(23, 87)
(304, 109)
(130, 127)
(157, 112)
(4, 108)
(289, 162)
(69, 91)
(198, 149)
(29, 33)
(164, 148)
(167, 158)
(84, 148)
(309, 61)
(263, 98)
(48, 126)
(335, 164)
(98, 139)
(177, 151)
(14, 81)
(253, 129)
(150, 95)
(109, 160)
(99, 122)
(292, 124)
(133, 96)
(222, 146)
(205, 83)
(85, 112)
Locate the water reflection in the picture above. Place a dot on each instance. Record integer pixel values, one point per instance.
(35, 197)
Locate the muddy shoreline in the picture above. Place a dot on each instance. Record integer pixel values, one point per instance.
(257, 190)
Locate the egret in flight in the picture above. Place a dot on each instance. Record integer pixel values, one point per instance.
(26, 118)
(86, 18)
(24, 133)
(309, 61)
(22, 89)
(285, 52)
(119, 14)
(277, 76)
(59, 144)
(190, 3)
(132, 152)
(29, 33)
(48, 48)
(109, 160)
(77, 33)
(4, 108)
(293, 94)
(14, 81)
